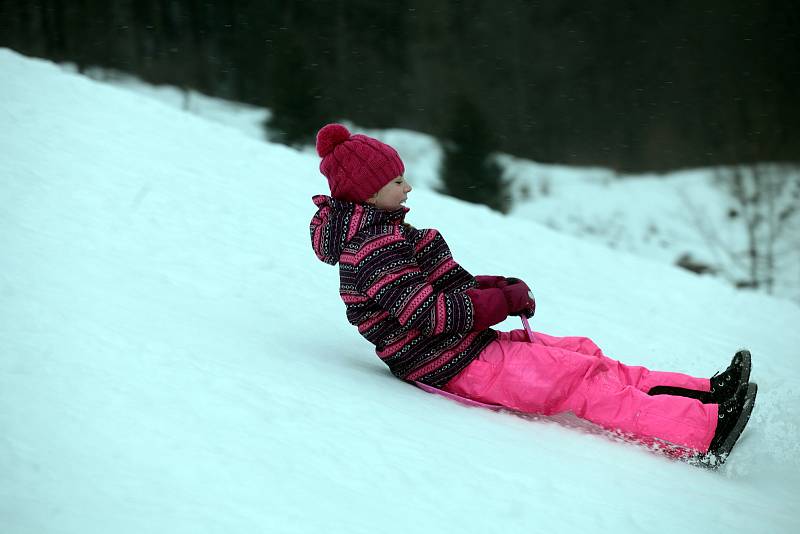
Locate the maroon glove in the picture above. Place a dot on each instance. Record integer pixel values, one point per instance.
(490, 281)
(519, 298)
(490, 307)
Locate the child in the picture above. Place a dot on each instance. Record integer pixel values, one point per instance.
(430, 320)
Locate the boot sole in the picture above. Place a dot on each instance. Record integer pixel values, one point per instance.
(714, 459)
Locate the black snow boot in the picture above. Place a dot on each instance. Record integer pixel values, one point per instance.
(732, 417)
(723, 385)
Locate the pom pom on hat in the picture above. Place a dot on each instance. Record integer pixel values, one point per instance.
(330, 136)
(356, 166)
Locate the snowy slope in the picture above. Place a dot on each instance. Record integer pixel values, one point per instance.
(173, 358)
(661, 217)
(674, 217)
(679, 216)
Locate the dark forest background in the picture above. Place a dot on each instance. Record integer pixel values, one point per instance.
(632, 85)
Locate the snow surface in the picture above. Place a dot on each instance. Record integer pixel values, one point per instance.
(664, 217)
(173, 357)
(661, 217)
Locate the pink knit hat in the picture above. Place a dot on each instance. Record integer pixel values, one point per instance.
(356, 166)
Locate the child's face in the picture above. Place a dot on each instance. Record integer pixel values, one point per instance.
(391, 195)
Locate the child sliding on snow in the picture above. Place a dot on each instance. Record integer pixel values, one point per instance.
(430, 320)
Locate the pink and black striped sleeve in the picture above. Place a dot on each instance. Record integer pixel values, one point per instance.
(385, 271)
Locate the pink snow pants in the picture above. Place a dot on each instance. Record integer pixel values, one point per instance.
(571, 374)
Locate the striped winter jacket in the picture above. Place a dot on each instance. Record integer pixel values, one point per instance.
(401, 288)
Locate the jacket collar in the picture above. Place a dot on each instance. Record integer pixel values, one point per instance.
(336, 222)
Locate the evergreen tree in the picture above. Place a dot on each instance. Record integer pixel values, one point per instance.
(469, 171)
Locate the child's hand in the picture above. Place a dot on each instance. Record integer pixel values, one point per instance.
(490, 281)
(519, 298)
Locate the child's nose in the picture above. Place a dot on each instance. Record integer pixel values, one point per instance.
(408, 187)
